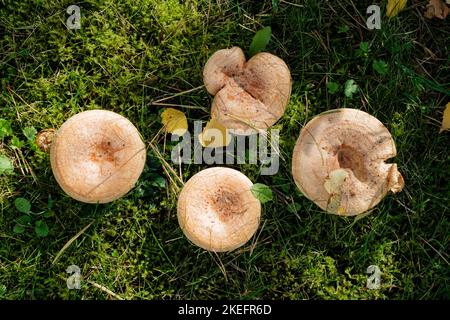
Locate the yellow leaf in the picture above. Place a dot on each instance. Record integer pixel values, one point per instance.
(394, 7)
(446, 118)
(333, 184)
(174, 121)
(214, 135)
(335, 181)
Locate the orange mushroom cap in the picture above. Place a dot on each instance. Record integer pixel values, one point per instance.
(248, 95)
(339, 162)
(97, 156)
(217, 210)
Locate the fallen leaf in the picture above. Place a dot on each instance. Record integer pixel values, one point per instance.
(335, 180)
(333, 185)
(394, 7)
(446, 118)
(174, 121)
(214, 135)
(438, 9)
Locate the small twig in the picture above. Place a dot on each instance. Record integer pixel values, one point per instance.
(68, 243)
(435, 250)
(105, 289)
(177, 105)
(292, 4)
(178, 94)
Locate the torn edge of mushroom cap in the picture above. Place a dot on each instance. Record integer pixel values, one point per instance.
(249, 96)
(217, 211)
(351, 140)
(97, 156)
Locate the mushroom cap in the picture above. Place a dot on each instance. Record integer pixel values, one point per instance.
(97, 156)
(339, 162)
(217, 210)
(248, 96)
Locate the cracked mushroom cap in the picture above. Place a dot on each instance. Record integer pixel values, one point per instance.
(217, 210)
(97, 156)
(339, 162)
(248, 95)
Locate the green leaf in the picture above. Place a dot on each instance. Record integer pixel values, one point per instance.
(159, 182)
(6, 165)
(275, 5)
(294, 207)
(24, 53)
(5, 128)
(350, 88)
(18, 229)
(24, 220)
(260, 40)
(380, 66)
(48, 214)
(30, 133)
(363, 50)
(50, 202)
(343, 28)
(16, 143)
(262, 192)
(364, 46)
(332, 87)
(22, 205)
(41, 228)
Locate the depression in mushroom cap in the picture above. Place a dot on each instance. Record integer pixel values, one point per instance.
(339, 162)
(248, 95)
(97, 156)
(217, 210)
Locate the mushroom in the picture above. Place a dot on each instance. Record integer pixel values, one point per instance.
(44, 139)
(339, 162)
(248, 96)
(217, 210)
(97, 156)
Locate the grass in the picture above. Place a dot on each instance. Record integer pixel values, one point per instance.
(130, 53)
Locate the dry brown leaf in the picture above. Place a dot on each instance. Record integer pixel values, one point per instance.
(446, 118)
(438, 9)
